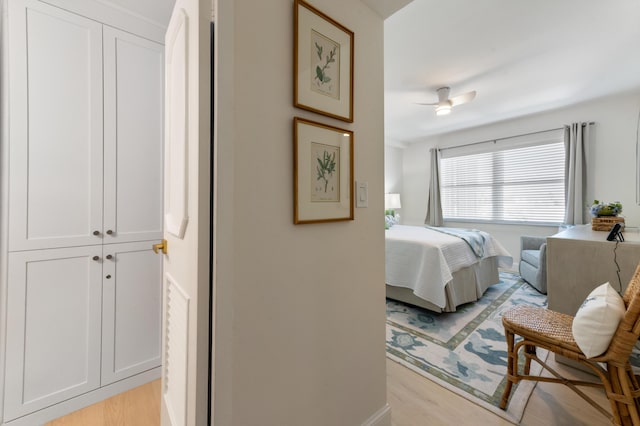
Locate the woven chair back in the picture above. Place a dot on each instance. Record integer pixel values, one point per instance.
(628, 330)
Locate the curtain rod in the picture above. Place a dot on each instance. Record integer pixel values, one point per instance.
(509, 137)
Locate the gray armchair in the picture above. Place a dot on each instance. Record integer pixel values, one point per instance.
(533, 262)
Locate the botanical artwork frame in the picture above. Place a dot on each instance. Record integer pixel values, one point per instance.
(322, 172)
(322, 63)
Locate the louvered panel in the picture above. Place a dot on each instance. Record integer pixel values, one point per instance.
(176, 351)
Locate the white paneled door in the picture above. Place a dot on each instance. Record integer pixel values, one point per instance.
(131, 310)
(55, 66)
(186, 276)
(133, 120)
(53, 327)
(86, 125)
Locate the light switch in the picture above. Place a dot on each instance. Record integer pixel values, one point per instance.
(362, 194)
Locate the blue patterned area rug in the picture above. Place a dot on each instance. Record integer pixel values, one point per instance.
(464, 351)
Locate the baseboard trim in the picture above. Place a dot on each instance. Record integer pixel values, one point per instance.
(81, 401)
(382, 417)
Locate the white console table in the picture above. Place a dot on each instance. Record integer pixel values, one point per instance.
(580, 259)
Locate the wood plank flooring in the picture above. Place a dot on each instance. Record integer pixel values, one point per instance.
(137, 407)
(417, 401)
(414, 401)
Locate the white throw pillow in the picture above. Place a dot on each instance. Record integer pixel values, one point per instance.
(597, 320)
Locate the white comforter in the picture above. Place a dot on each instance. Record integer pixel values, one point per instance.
(423, 260)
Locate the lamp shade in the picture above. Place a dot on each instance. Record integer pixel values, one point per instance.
(392, 201)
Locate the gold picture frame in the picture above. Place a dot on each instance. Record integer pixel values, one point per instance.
(322, 172)
(322, 63)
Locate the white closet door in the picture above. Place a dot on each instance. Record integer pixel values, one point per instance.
(55, 63)
(53, 327)
(133, 95)
(186, 315)
(131, 317)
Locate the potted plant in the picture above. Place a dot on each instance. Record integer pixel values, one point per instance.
(599, 208)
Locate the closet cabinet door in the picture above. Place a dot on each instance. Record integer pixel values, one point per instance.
(55, 132)
(133, 96)
(131, 309)
(53, 327)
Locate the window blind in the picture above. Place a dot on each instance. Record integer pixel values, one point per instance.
(521, 184)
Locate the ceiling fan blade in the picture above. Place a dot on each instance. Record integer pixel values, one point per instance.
(463, 99)
(431, 103)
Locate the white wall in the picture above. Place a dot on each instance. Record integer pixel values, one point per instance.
(300, 321)
(611, 168)
(392, 169)
(4, 186)
(393, 174)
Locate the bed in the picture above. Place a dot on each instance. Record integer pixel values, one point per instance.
(441, 269)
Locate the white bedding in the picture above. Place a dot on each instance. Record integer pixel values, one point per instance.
(423, 260)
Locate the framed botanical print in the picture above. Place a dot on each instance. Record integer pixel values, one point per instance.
(322, 64)
(323, 172)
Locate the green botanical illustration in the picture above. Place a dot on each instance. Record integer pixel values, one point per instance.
(326, 167)
(321, 71)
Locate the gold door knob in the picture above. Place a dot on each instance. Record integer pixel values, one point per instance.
(162, 246)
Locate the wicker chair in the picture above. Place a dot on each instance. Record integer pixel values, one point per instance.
(542, 328)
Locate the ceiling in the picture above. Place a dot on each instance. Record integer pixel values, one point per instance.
(156, 11)
(521, 57)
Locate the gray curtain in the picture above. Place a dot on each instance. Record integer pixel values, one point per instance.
(576, 138)
(434, 205)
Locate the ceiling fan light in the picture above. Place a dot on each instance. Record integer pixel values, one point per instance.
(443, 109)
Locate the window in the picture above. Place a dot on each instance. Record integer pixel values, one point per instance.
(515, 180)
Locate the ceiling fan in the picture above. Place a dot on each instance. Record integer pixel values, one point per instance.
(444, 104)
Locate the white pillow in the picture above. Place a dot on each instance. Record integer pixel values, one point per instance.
(597, 320)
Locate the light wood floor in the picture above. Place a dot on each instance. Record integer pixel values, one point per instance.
(137, 407)
(414, 401)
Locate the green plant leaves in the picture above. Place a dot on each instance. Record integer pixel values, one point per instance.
(326, 167)
(320, 71)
